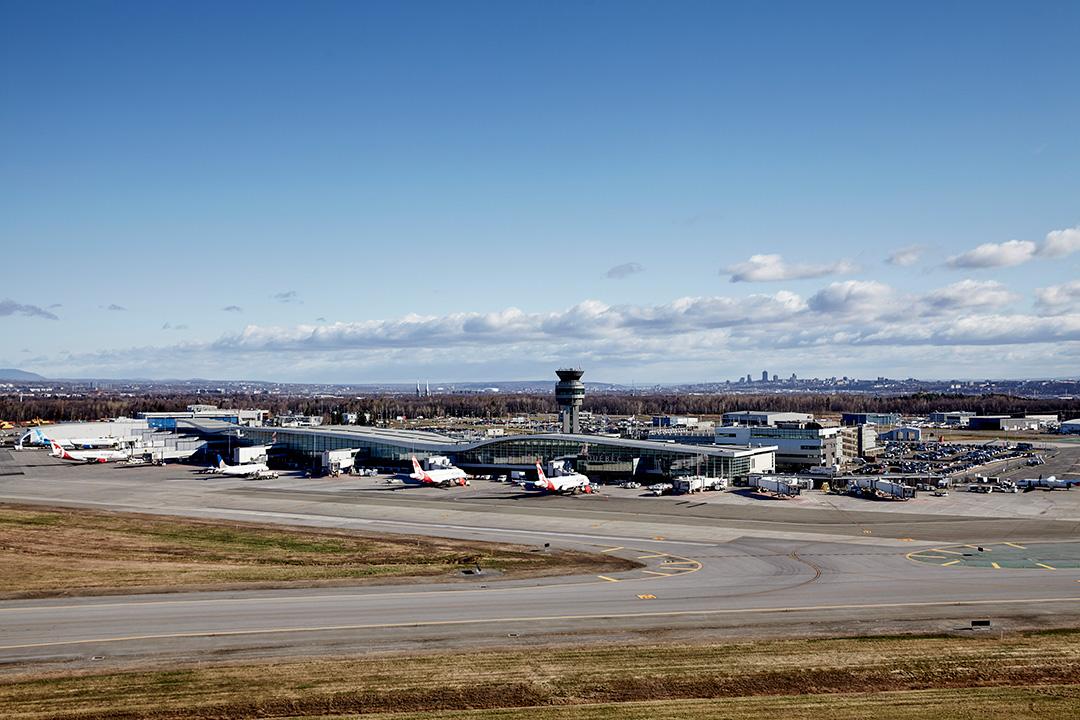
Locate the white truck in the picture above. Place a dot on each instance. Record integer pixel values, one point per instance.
(697, 483)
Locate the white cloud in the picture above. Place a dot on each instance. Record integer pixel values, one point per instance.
(843, 323)
(625, 270)
(1058, 298)
(852, 296)
(773, 268)
(989, 255)
(1056, 244)
(968, 294)
(1059, 243)
(906, 256)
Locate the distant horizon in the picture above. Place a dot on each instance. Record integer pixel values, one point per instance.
(434, 384)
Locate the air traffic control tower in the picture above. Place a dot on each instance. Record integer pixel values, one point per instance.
(569, 393)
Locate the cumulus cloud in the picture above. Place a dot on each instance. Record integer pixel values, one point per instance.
(1056, 244)
(968, 294)
(1059, 243)
(992, 255)
(232, 308)
(849, 321)
(852, 296)
(905, 256)
(287, 296)
(170, 326)
(773, 268)
(625, 270)
(1058, 298)
(10, 307)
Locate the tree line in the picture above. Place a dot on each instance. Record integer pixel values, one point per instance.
(379, 408)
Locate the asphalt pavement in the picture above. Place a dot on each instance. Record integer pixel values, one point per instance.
(772, 569)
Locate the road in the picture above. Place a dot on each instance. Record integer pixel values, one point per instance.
(709, 568)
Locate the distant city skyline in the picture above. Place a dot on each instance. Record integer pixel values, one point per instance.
(375, 192)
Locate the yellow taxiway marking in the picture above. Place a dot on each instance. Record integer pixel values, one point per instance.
(489, 621)
(646, 597)
(907, 540)
(995, 566)
(620, 547)
(951, 562)
(605, 577)
(653, 572)
(658, 537)
(950, 552)
(681, 562)
(1018, 547)
(643, 557)
(1044, 565)
(926, 557)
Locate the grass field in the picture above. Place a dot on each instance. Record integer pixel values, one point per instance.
(1032, 675)
(64, 552)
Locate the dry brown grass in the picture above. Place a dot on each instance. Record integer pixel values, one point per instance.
(1035, 675)
(1048, 702)
(62, 552)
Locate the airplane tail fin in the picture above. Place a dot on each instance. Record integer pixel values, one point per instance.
(57, 451)
(416, 466)
(220, 462)
(540, 474)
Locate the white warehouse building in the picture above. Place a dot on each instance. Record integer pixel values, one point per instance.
(797, 448)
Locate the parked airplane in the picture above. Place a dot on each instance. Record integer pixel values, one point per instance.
(86, 443)
(87, 456)
(440, 478)
(247, 470)
(564, 484)
(1047, 483)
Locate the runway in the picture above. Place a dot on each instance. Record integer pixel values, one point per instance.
(767, 573)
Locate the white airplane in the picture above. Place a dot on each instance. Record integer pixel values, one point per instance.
(87, 456)
(439, 478)
(564, 484)
(84, 443)
(245, 470)
(1047, 483)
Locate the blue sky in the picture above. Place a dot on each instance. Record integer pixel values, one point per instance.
(482, 190)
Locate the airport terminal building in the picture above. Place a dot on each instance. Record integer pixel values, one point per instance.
(598, 456)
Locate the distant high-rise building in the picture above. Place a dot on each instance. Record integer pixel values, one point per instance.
(764, 376)
(775, 378)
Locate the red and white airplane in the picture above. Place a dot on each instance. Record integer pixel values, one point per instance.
(88, 456)
(440, 478)
(565, 484)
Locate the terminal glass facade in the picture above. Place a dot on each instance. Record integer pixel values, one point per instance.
(588, 454)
